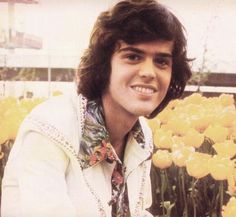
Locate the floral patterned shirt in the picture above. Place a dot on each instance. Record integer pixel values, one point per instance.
(96, 147)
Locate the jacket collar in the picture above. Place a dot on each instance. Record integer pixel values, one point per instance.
(95, 145)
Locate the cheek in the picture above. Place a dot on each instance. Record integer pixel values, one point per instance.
(169, 79)
(120, 76)
(165, 80)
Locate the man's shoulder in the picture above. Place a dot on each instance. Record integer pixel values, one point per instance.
(53, 102)
(59, 107)
(60, 112)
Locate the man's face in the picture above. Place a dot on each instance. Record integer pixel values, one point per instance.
(140, 77)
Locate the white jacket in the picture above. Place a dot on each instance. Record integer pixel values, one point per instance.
(43, 176)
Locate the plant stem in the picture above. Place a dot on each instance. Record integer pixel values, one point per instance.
(180, 191)
(168, 184)
(162, 192)
(194, 182)
(221, 192)
(185, 213)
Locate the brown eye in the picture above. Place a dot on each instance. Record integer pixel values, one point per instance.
(163, 62)
(133, 57)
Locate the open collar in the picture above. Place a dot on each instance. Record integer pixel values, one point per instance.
(95, 145)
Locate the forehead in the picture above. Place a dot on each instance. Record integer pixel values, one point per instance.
(151, 47)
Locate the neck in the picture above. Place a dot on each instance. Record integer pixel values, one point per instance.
(118, 123)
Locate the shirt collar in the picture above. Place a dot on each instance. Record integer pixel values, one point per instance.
(95, 143)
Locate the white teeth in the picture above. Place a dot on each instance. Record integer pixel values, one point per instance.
(144, 90)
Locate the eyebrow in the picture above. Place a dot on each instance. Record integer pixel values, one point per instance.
(136, 50)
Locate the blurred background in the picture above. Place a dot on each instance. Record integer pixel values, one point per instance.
(41, 42)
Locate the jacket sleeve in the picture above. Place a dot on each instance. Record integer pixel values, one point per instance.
(41, 186)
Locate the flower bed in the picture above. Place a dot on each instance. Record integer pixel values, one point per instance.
(194, 172)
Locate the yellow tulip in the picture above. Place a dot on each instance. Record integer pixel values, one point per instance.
(195, 98)
(154, 124)
(193, 138)
(164, 115)
(230, 209)
(163, 139)
(179, 126)
(220, 167)
(177, 143)
(181, 155)
(162, 159)
(191, 109)
(173, 103)
(178, 146)
(226, 99)
(217, 133)
(197, 165)
(201, 122)
(226, 148)
(226, 118)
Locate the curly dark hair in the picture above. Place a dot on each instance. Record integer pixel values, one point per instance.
(132, 21)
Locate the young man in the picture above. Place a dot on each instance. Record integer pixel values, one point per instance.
(90, 155)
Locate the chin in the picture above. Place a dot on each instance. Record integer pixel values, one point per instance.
(144, 112)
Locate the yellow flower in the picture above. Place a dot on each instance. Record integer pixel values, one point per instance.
(164, 115)
(163, 139)
(217, 133)
(57, 93)
(195, 98)
(28, 104)
(220, 167)
(193, 138)
(173, 103)
(233, 131)
(197, 166)
(201, 122)
(178, 125)
(191, 109)
(162, 159)
(181, 155)
(13, 118)
(226, 118)
(226, 148)
(226, 99)
(4, 134)
(154, 124)
(230, 209)
(7, 103)
(177, 143)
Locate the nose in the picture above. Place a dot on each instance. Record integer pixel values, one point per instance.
(147, 69)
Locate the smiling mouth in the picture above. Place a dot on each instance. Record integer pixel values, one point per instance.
(144, 90)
